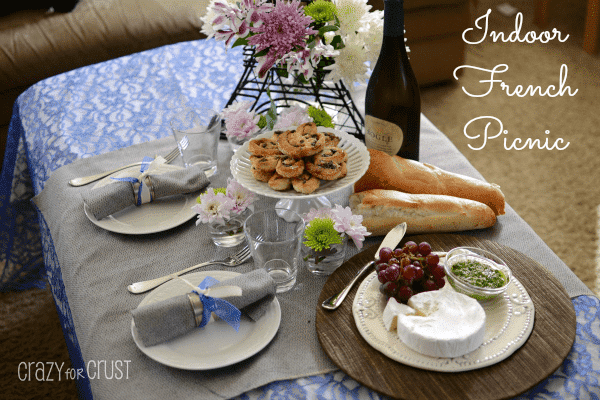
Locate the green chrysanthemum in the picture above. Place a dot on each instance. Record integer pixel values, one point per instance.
(321, 11)
(320, 117)
(320, 234)
(216, 190)
(262, 122)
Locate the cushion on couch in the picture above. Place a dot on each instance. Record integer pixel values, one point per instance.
(95, 31)
(57, 5)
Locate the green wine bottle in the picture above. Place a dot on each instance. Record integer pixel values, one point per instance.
(392, 100)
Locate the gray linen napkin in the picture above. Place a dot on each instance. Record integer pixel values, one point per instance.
(118, 195)
(164, 320)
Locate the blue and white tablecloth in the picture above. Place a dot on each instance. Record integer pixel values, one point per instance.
(115, 104)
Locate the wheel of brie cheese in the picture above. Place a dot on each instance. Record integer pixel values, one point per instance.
(439, 323)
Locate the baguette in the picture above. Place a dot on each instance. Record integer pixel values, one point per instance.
(423, 213)
(397, 173)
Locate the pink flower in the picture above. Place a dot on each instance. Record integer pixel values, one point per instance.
(239, 121)
(243, 105)
(306, 60)
(324, 212)
(213, 207)
(242, 124)
(238, 20)
(292, 116)
(351, 224)
(242, 197)
(283, 29)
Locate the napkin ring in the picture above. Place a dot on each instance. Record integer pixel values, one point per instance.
(148, 183)
(197, 307)
(143, 191)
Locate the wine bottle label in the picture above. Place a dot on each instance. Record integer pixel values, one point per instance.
(383, 135)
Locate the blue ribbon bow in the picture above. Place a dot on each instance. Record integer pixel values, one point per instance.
(145, 164)
(222, 308)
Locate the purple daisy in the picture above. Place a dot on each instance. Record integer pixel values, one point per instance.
(282, 30)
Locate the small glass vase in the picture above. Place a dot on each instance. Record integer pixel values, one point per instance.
(235, 143)
(326, 261)
(231, 233)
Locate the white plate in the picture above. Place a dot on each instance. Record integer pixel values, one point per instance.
(358, 163)
(509, 322)
(217, 344)
(157, 216)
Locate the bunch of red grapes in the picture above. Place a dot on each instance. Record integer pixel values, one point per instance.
(410, 270)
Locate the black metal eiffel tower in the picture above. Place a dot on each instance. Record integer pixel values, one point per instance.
(287, 90)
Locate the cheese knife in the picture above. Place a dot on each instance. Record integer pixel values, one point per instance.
(391, 240)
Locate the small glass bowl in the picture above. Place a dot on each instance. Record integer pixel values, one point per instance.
(483, 256)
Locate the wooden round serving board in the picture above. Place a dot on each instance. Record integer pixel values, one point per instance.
(542, 354)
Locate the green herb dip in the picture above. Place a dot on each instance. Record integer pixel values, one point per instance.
(479, 274)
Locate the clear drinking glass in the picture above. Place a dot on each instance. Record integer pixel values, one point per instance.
(275, 245)
(196, 132)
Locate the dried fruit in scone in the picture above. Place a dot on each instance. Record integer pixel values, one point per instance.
(263, 147)
(276, 134)
(290, 167)
(305, 183)
(265, 163)
(262, 176)
(331, 140)
(331, 153)
(326, 170)
(280, 183)
(303, 142)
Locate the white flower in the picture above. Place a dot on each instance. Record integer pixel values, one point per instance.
(207, 19)
(322, 50)
(350, 13)
(350, 63)
(213, 207)
(329, 37)
(242, 197)
(324, 212)
(292, 116)
(371, 33)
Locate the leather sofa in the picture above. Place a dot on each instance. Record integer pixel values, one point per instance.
(42, 38)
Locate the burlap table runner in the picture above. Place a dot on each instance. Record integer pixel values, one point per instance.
(97, 265)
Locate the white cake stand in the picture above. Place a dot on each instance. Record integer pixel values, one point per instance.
(290, 200)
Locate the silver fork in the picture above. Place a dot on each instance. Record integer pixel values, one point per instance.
(92, 178)
(232, 261)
